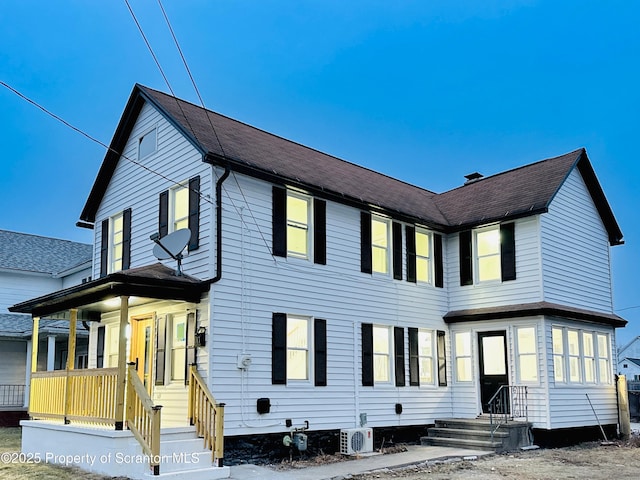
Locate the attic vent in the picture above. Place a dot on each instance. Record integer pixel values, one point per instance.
(472, 177)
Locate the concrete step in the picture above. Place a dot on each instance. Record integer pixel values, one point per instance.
(461, 443)
(210, 473)
(463, 433)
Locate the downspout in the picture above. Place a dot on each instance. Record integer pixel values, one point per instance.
(224, 176)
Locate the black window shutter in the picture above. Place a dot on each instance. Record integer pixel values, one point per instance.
(365, 243)
(367, 355)
(194, 213)
(466, 259)
(320, 352)
(398, 347)
(126, 239)
(104, 248)
(279, 221)
(396, 240)
(410, 232)
(414, 359)
(438, 260)
(100, 347)
(161, 343)
(163, 214)
(279, 349)
(190, 351)
(442, 359)
(319, 231)
(508, 251)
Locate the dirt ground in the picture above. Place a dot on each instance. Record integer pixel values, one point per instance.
(590, 461)
(587, 461)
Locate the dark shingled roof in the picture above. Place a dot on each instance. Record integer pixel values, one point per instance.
(536, 308)
(32, 253)
(16, 325)
(523, 191)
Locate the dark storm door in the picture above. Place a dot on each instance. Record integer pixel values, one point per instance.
(493, 369)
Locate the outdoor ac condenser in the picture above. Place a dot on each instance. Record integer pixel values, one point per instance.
(354, 441)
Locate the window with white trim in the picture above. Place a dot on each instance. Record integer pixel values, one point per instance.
(527, 354)
(558, 354)
(423, 256)
(298, 225)
(462, 346)
(178, 347)
(581, 356)
(116, 242)
(380, 244)
(573, 354)
(298, 342)
(179, 207)
(425, 357)
(604, 362)
(381, 354)
(147, 144)
(487, 243)
(589, 359)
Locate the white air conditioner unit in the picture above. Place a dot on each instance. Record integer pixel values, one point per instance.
(354, 441)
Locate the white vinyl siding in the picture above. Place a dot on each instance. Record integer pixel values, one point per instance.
(575, 246)
(526, 288)
(137, 188)
(242, 307)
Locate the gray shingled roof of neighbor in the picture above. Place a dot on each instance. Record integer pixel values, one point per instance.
(33, 253)
(18, 325)
(519, 192)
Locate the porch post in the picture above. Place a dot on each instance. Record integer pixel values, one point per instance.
(34, 344)
(122, 361)
(71, 356)
(27, 375)
(51, 352)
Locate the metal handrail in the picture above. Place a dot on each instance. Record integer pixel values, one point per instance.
(509, 402)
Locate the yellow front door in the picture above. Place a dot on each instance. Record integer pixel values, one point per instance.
(141, 352)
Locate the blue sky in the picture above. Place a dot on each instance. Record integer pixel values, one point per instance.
(423, 91)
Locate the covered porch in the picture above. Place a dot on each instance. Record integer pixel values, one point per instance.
(92, 405)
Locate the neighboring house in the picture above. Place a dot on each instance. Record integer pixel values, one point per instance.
(33, 265)
(630, 367)
(319, 293)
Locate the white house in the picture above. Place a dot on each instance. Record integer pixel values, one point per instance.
(317, 293)
(34, 265)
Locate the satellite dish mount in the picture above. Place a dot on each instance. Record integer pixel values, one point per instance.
(171, 246)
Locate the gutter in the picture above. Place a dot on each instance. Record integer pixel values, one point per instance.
(227, 172)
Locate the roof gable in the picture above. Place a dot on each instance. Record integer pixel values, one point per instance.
(520, 192)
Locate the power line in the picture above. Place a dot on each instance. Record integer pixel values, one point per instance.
(95, 140)
(195, 87)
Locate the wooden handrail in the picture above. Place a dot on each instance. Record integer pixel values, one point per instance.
(207, 416)
(143, 419)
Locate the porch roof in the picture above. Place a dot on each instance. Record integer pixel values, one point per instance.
(534, 308)
(155, 281)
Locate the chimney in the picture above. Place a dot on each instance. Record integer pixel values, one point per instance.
(473, 177)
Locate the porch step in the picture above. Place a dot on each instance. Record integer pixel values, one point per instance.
(183, 456)
(476, 433)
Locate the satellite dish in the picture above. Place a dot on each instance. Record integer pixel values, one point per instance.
(171, 246)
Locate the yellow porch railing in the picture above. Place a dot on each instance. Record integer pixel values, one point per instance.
(87, 395)
(207, 416)
(143, 418)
